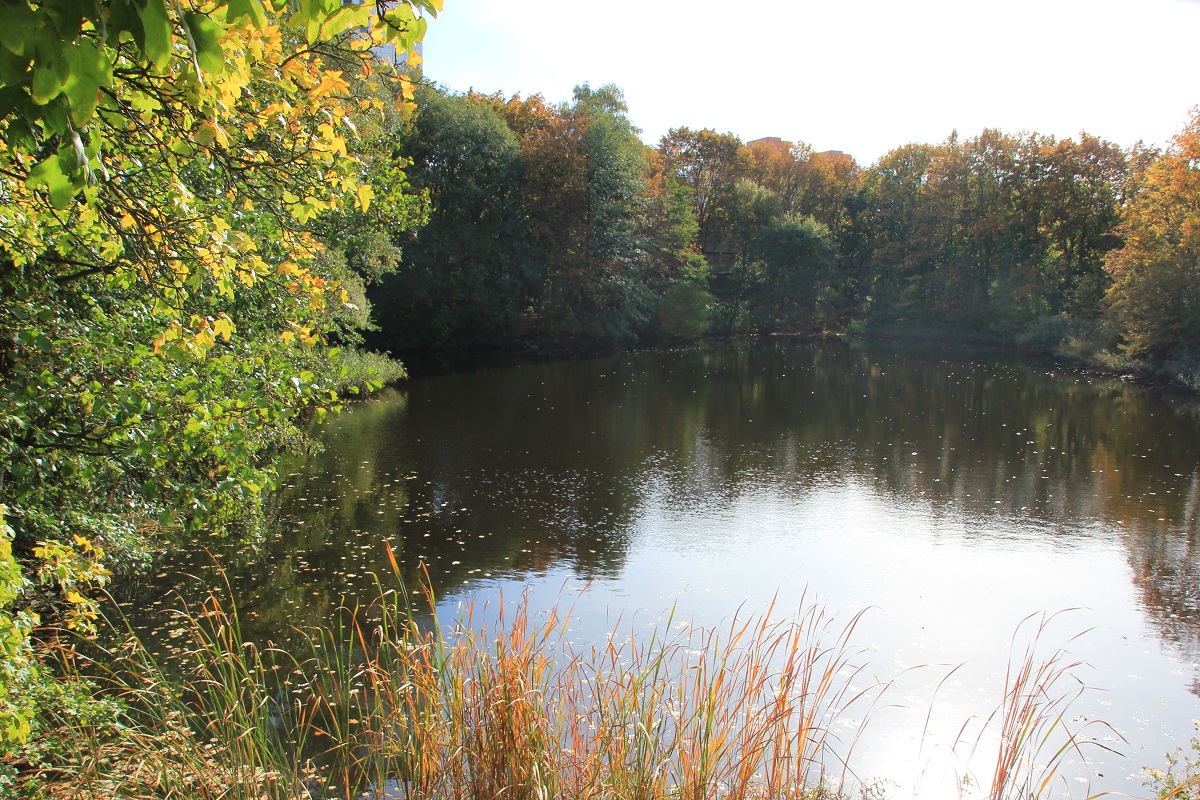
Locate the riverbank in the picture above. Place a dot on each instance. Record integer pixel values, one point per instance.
(1067, 346)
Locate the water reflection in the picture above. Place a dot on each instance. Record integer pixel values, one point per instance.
(939, 487)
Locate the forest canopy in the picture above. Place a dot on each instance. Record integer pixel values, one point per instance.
(555, 223)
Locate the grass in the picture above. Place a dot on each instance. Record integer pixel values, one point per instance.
(388, 702)
(1035, 740)
(365, 371)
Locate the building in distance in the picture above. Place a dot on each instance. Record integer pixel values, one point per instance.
(773, 142)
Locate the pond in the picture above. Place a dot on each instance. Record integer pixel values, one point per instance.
(946, 495)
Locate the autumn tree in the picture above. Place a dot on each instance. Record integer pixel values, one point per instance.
(783, 168)
(584, 187)
(164, 297)
(676, 272)
(710, 165)
(1155, 294)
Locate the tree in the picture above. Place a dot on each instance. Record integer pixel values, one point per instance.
(163, 295)
(676, 271)
(789, 264)
(585, 194)
(468, 275)
(710, 164)
(1155, 294)
(1080, 194)
(786, 171)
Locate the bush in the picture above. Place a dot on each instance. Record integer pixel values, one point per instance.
(1181, 778)
(1062, 335)
(685, 310)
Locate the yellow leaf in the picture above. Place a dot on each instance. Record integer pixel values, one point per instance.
(331, 82)
(224, 327)
(365, 196)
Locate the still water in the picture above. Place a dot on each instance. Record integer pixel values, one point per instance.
(949, 495)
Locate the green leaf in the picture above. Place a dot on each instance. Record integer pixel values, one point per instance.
(73, 161)
(14, 69)
(19, 27)
(48, 175)
(253, 10)
(49, 77)
(123, 17)
(54, 117)
(347, 17)
(157, 29)
(68, 16)
(10, 98)
(205, 38)
(90, 69)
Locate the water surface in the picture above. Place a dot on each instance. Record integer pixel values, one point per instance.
(950, 495)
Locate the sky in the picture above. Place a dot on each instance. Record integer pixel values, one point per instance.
(861, 76)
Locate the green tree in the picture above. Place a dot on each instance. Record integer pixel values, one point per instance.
(468, 275)
(676, 272)
(1080, 192)
(789, 264)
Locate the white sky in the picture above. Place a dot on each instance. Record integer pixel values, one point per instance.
(862, 76)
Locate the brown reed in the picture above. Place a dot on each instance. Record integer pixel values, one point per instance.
(389, 702)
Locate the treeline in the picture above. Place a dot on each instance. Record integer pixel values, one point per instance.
(555, 223)
(546, 221)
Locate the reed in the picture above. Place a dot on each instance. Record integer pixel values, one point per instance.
(389, 702)
(1035, 738)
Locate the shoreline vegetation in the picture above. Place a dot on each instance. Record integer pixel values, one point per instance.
(1072, 356)
(388, 700)
(211, 211)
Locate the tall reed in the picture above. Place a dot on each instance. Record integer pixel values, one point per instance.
(499, 705)
(1035, 739)
(219, 730)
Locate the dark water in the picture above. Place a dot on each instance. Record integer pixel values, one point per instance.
(951, 496)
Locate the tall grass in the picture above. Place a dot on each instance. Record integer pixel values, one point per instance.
(1035, 739)
(218, 731)
(391, 703)
(510, 709)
